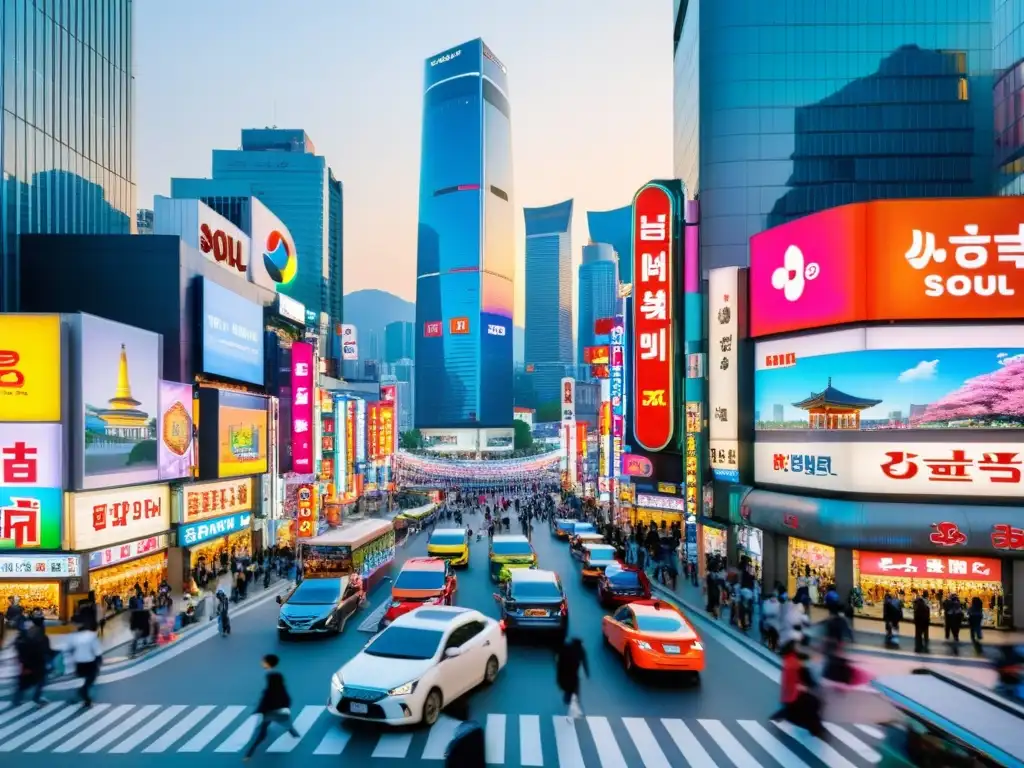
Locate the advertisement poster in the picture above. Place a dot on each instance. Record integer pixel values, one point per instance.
(101, 518)
(723, 381)
(31, 368)
(241, 435)
(302, 407)
(326, 562)
(341, 433)
(31, 486)
(692, 474)
(307, 512)
(174, 446)
(119, 387)
(373, 428)
(617, 366)
(350, 441)
(568, 400)
(201, 501)
(30, 518)
(232, 335)
(349, 342)
(386, 430)
(653, 339)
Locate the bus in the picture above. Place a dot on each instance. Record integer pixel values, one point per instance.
(365, 549)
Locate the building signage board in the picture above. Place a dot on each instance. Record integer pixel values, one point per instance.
(568, 400)
(196, 533)
(31, 368)
(202, 501)
(290, 309)
(222, 243)
(653, 339)
(349, 342)
(302, 407)
(723, 372)
(31, 486)
(28, 566)
(934, 567)
(101, 518)
(667, 503)
(694, 427)
(101, 558)
(307, 512)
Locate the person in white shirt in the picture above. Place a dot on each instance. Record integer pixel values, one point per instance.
(85, 653)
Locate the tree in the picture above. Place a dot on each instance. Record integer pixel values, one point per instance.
(549, 411)
(411, 440)
(993, 399)
(523, 439)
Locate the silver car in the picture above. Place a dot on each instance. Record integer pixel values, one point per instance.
(317, 606)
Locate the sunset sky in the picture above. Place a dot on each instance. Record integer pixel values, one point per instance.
(590, 87)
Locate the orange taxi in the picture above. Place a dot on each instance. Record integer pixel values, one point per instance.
(653, 635)
(422, 581)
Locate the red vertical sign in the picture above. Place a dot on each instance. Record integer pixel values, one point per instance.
(653, 342)
(581, 449)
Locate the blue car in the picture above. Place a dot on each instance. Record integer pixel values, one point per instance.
(534, 601)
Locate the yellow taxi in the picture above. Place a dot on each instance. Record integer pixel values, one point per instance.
(451, 544)
(508, 553)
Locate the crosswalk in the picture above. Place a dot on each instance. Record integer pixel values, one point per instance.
(513, 740)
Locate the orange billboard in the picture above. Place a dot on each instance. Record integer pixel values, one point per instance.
(950, 259)
(458, 326)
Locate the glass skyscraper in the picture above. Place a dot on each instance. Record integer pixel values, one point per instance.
(786, 108)
(548, 332)
(1008, 64)
(599, 292)
(466, 244)
(399, 341)
(66, 139)
(615, 228)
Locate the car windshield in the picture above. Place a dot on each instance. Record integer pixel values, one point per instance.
(420, 579)
(315, 592)
(601, 554)
(503, 548)
(405, 643)
(535, 590)
(667, 623)
(622, 578)
(448, 538)
(584, 528)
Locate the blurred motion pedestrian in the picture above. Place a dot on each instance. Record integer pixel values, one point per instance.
(571, 656)
(86, 653)
(274, 705)
(33, 649)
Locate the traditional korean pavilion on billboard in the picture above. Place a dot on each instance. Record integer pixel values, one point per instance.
(832, 409)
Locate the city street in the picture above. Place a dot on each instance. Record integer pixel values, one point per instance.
(199, 699)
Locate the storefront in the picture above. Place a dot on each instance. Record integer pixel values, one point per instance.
(749, 545)
(663, 511)
(39, 581)
(114, 572)
(811, 565)
(713, 541)
(214, 525)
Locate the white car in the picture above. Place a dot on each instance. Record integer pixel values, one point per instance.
(419, 664)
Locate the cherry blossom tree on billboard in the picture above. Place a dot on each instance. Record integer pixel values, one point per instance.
(993, 400)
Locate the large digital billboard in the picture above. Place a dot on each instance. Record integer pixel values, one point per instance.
(232, 334)
(31, 368)
(233, 435)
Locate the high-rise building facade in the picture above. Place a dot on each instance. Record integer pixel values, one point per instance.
(466, 245)
(66, 143)
(281, 168)
(599, 292)
(785, 109)
(399, 341)
(1008, 70)
(615, 228)
(548, 332)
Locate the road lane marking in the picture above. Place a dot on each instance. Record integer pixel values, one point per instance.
(147, 730)
(871, 731)
(494, 740)
(38, 714)
(306, 719)
(771, 745)
(84, 716)
(858, 746)
(687, 743)
(608, 751)
(4, 705)
(815, 746)
(57, 717)
(334, 741)
(531, 752)
(645, 742)
(213, 729)
(393, 745)
(729, 744)
(439, 737)
(567, 742)
(121, 729)
(180, 728)
(241, 736)
(15, 712)
(111, 718)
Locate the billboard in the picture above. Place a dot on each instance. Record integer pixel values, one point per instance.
(194, 534)
(100, 518)
(302, 407)
(653, 339)
(360, 430)
(934, 567)
(119, 404)
(275, 262)
(373, 431)
(723, 378)
(232, 434)
(232, 334)
(174, 450)
(863, 380)
(201, 501)
(941, 259)
(222, 243)
(31, 485)
(568, 400)
(386, 429)
(31, 368)
(349, 342)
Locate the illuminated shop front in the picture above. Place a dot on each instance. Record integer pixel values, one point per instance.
(714, 541)
(750, 544)
(811, 565)
(663, 511)
(209, 541)
(39, 581)
(114, 571)
(214, 522)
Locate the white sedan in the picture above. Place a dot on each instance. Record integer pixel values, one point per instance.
(419, 664)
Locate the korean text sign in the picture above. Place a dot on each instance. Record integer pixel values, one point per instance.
(887, 564)
(196, 533)
(201, 501)
(723, 383)
(101, 518)
(937, 259)
(30, 368)
(27, 566)
(31, 486)
(653, 315)
(302, 407)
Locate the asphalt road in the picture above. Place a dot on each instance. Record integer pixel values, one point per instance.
(198, 702)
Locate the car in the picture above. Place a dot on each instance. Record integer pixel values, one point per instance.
(508, 552)
(596, 557)
(318, 607)
(653, 635)
(577, 541)
(533, 600)
(562, 527)
(579, 528)
(450, 543)
(422, 581)
(621, 584)
(418, 665)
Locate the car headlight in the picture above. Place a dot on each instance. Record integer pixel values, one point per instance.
(697, 646)
(643, 645)
(336, 683)
(403, 690)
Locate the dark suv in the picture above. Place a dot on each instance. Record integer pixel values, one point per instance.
(534, 601)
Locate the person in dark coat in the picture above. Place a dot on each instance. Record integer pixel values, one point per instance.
(571, 657)
(33, 649)
(922, 618)
(274, 705)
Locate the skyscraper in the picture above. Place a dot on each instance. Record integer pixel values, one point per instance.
(599, 291)
(399, 341)
(548, 342)
(67, 126)
(280, 167)
(615, 228)
(465, 255)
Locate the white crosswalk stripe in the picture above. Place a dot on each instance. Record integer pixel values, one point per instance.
(596, 741)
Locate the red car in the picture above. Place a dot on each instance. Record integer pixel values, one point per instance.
(621, 584)
(422, 581)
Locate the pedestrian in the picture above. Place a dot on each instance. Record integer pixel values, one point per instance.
(770, 612)
(571, 657)
(953, 616)
(274, 705)
(922, 618)
(800, 704)
(223, 620)
(892, 614)
(86, 653)
(33, 649)
(975, 614)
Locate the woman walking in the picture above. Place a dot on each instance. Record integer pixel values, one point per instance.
(571, 657)
(86, 653)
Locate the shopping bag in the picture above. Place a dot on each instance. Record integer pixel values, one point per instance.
(575, 710)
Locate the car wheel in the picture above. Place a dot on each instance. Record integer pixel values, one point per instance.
(491, 670)
(627, 660)
(432, 707)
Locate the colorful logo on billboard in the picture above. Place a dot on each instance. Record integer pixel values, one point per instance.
(634, 465)
(279, 258)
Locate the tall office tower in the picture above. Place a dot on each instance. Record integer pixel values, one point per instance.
(1008, 92)
(399, 341)
(599, 291)
(615, 228)
(786, 109)
(68, 143)
(280, 167)
(548, 331)
(466, 250)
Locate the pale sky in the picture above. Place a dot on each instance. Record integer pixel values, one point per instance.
(590, 87)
